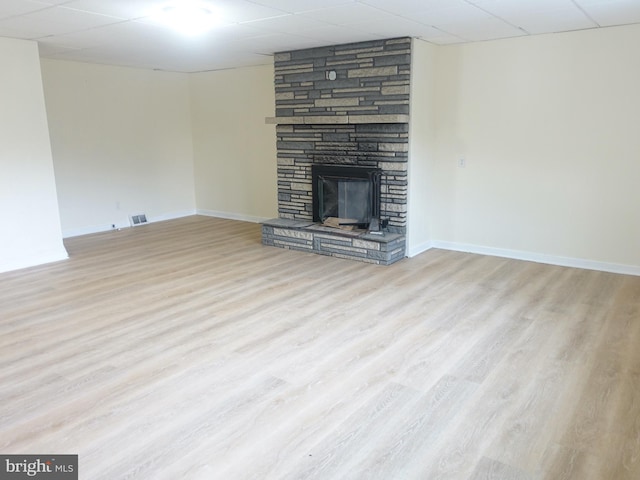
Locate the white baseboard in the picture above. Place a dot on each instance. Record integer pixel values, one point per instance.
(418, 249)
(539, 257)
(76, 232)
(232, 216)
(171, 216)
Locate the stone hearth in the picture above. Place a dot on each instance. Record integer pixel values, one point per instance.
(311, 237)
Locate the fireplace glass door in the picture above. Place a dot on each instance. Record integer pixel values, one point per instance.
(349, 193)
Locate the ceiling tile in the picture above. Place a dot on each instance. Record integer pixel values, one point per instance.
(550, 21)
(10, 9)
(612, 12)
(335, 35)
(54, 2)
(126, 9)
(539, 16)
(399, 27)
(299, 6)
(406, 7)
(50, 50)
(453, 14)
(11, 29)
(231, 11)
(121, 32)
(347, 13)
(507, 7)
(269, 43)
(239, 11)
(72, 41)
(443, 39)
(487, 29)
(71, 18)
(125, 36)
(23, 27)
(230, 33)
(289, 24)
(96, 55)
(55, 21)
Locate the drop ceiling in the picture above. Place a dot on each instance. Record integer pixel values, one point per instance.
(122, 32)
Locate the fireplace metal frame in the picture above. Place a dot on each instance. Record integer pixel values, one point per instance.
(344, 172)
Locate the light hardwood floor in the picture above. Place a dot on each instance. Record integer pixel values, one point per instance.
(187, 350)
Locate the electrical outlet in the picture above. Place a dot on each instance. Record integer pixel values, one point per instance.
(462, 162)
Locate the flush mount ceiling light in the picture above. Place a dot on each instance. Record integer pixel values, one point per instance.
(188, 17)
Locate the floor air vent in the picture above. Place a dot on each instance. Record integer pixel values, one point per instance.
(138, 219)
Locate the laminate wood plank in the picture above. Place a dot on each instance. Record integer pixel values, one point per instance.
(608, 408)
(547, 354)
(572, 464)
(186, 349)
(333, 457)
(489, 469)
(417, 428)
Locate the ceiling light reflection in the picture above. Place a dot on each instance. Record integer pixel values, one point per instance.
(188, 17)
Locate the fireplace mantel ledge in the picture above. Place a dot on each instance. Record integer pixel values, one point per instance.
(337, 119)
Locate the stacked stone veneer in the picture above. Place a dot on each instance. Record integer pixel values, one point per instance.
(360, 118)
(372, 78)
(373, 145)
(299, 235)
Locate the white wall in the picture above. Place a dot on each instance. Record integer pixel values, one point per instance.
(30, 233)
(234, 151)
(549, 129)
(121, 140)
(421, 147)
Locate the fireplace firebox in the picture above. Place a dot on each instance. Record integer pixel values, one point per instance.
(346, 192)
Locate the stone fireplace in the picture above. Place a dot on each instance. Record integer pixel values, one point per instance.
(345, 106)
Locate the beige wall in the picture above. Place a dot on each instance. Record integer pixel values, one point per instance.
(421, 147)
(121, 140)
(124, 143)
(234, 151)
(30, 232)
(548, 127)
